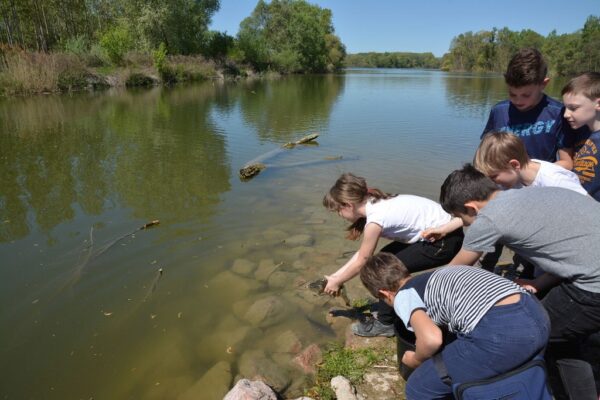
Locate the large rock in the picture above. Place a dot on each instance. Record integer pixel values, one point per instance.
(343, 389)
(288, 342)
(281, 279)
(255, 365)
(235, 286)
(265, 269)
(245, 389)
(213, 384)
(243, 267)
(266, 312)
(301, 239)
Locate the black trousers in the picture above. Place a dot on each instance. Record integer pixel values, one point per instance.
(418, 257)
(574, 316)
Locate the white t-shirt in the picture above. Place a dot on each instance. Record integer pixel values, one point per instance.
(403, 217)
(551, 174)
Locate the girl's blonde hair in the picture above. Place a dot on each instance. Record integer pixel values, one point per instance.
(351, 189)
(496, 150)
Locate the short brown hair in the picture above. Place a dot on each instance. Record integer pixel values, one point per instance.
(383, 271)
(587, 84)
(496, 150)
(526, 67)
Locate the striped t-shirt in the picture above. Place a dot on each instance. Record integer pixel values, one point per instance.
(456, 297)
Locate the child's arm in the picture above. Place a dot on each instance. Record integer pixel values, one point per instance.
(354, 265)
(437, 233)
(466, 257)
(565, 158)
(429, 339)
(542, 282)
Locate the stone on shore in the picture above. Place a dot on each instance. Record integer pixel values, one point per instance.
(343, 389)
(245, 389)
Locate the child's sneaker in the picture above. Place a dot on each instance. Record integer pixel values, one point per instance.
(373, 327)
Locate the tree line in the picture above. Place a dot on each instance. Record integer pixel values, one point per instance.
(282, 35)
(393, 60)
(490, 51)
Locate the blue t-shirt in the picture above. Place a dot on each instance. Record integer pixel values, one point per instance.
(585, 164)
(542, 129)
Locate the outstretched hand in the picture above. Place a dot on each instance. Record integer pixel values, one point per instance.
(433, 234)
(333, 286)
(527, 284)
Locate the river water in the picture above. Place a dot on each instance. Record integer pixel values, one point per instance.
(85, 311)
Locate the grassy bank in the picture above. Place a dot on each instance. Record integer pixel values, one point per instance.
(26, 73)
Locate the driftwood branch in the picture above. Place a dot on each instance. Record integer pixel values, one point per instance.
(253, 168)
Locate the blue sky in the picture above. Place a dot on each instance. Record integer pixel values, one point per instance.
(427, 25)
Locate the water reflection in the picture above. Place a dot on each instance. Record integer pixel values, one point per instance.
(156, 152)
(280, 109)
(474, 94)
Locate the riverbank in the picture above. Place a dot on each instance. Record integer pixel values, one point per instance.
(30, 73)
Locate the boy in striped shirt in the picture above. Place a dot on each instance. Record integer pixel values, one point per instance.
(498, 325)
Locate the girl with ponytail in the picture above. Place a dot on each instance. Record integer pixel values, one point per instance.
(400, 218)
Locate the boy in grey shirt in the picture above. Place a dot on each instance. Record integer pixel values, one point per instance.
(554, 228)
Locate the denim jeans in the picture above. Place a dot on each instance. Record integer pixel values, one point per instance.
(418, 257)
(505, 338)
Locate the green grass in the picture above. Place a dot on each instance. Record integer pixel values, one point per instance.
(338, 360)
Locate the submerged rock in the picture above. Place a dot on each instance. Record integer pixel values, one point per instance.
(266, 312)
(265, 268)
(243, 267)
(288, 342)
(309, 358)
(212, 385)
(245, 389)
(236, 286)
(281, 279)
(299, 240)
(254, 364)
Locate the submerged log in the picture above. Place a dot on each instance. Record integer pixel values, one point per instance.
(253, 168)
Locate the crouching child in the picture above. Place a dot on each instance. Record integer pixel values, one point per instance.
(498, 325)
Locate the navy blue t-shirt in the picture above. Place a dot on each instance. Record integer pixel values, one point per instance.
(542, 129)
(585, 164)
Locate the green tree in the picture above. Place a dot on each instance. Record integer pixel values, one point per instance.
(290, 36)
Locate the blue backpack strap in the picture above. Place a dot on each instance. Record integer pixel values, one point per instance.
(440, 368)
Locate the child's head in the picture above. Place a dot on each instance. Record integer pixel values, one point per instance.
(500, 156)
(465, 186)
(526, 78)
(581, 96)
(345, 197)
(383, 271)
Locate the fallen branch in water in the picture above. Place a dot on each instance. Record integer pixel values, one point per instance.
(253, 167)
(91, 255)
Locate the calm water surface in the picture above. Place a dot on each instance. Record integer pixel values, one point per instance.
(86, 315)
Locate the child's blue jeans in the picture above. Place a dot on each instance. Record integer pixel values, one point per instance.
(505, 338)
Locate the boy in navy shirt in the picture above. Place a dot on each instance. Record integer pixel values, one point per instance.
(582, 108)
(530, 114)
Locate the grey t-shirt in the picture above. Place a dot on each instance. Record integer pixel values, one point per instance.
(554, 228)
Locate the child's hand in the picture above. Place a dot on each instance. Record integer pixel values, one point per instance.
(526, 284)
(433, 234)
(333, 286)
(410, 360)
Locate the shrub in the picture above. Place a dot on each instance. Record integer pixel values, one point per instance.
(69, 80)
(116, 42)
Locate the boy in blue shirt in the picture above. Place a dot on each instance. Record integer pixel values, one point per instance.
(530, 114)
(582, 108)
